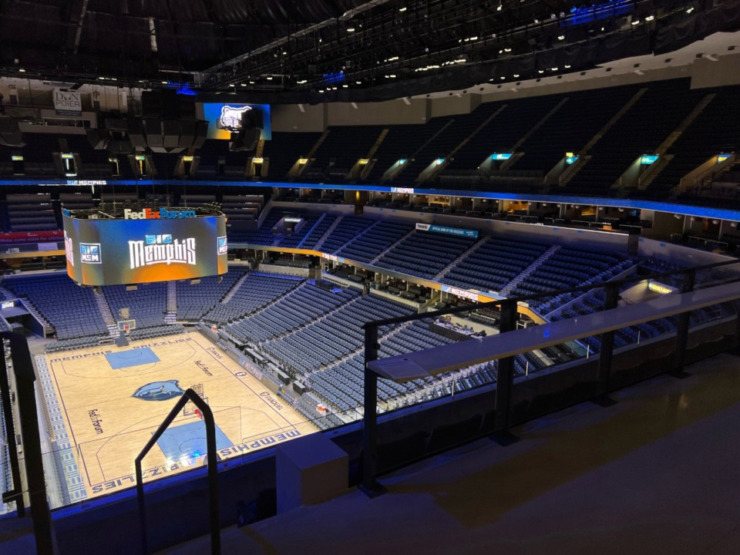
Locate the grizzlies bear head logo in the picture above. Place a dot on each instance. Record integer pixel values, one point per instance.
(159, 391)
(232, 117)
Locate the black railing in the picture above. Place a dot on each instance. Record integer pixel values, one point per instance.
(20, 358)
(212, 459)
(505, 372)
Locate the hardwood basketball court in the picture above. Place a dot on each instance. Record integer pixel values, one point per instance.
(111, 399)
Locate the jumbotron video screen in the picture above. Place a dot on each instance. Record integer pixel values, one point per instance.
(144, 246)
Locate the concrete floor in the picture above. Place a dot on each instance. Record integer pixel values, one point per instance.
(659, 472)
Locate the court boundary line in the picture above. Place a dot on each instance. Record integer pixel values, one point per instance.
(278, 429)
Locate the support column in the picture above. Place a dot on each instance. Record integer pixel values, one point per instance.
(505, 380)
(370, 485)
(682, 329)
(606, 351)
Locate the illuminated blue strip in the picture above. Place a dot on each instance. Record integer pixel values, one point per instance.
(683, 209)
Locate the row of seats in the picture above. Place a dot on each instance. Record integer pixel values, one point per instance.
(494, 264)
(338, 334)
(302, 305)
(196, 299)
(147, 303)
(72, 310)
(424, 254)
(254, 292)
(156, 331)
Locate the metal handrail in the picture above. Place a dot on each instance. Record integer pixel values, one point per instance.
(212, 460)
(29, 431)
(16, 494)
(580, 288)
(505, 375)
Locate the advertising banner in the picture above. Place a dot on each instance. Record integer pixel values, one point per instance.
(456, 231)
(67, 103)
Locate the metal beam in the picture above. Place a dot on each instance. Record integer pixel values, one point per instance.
(80, 23)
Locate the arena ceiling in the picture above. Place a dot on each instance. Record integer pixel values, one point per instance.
(318, 50)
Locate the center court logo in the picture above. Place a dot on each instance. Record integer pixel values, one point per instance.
(90, 253)
(161, 249)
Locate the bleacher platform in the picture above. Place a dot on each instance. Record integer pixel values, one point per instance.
(195, 299)
(254, 292)
(147, 302)
(494, 264)
(424, 254)
(71, 309)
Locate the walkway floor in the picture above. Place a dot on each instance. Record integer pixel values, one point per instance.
(659, 472)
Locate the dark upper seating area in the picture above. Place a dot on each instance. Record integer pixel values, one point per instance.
(284, 149)
(402, 142)
(340, 150)
(510, 126)
(716, 130)
(575, 119)
(549, 125)
(440, 144)
(641, 130)
(30, 212)
(572, 126)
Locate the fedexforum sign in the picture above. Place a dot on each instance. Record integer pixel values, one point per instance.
(161, 214)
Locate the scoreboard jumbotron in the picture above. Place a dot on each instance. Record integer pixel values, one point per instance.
(123, 245)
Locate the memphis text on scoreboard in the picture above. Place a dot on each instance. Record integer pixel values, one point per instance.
(161, 249)
(161, 214)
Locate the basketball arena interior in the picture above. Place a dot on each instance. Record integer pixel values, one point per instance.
(262, 262)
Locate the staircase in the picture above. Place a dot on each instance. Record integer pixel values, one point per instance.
(105, 312)
(583, 156)
(332, 227)
(460, 258)
(531, 268)
(391, 247)
(234, 289)
(316, 223)
(170, 316)
(356, 237)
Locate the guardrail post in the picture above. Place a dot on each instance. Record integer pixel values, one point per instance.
(607, 350)
(370, 485)
(29, 428)
(16, 494)
(505, 380)
(682, 328)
